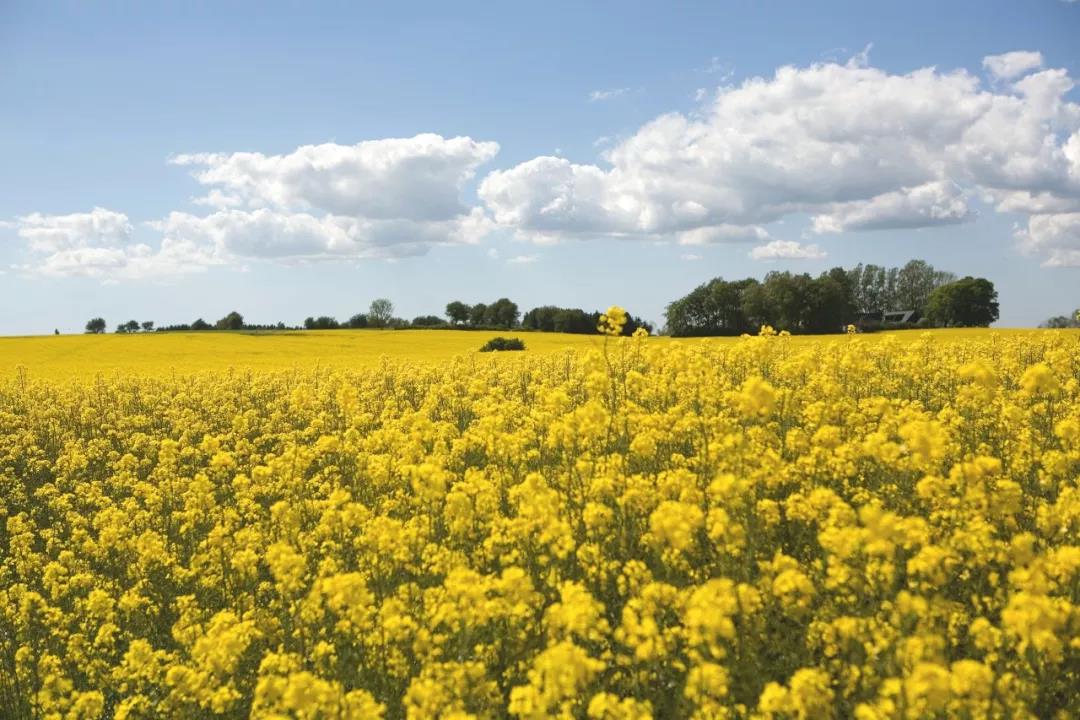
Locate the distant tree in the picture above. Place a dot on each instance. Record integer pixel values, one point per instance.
(232, 321)
(95, 326)
(458, 312)
(428, 321)
(56, 331)
(131, 326)
(831, 303)
(540, 318)
(502, 344)
(323, 322)
(502, 313)
(478, 314)
(380, 313)
(968, 302)
(1061, 322)
(914, 284)
(1058, 322)
(200, 324)
(359, 320)
(148, 326)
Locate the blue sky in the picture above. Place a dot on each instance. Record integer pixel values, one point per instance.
(578, 154)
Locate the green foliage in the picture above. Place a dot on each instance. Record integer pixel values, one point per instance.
(428, 321)
(323, 322)
(131, 326)
(549, 318)
(96, 326)
(968, 302)
(502, 343)
(380, 313)
(878, 290)
(232, 321)
(458, 312)
(1061, 322)
(797, 303)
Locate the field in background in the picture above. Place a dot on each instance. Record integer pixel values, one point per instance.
(75, 356)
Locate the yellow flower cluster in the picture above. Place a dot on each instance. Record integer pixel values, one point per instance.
(765, 529)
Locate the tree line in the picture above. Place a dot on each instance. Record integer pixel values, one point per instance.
(1062, 322)
(501, 314)
(868, 296)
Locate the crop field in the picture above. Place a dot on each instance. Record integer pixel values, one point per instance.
(392, 525)
(160, 354)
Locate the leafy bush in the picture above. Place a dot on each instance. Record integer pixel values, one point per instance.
(502, 343)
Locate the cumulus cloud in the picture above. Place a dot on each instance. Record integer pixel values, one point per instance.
(935, 203)
(523, 259)
(99, 228)
(1008, 65)
(418, 178)
(99, 244)
(271, 234)
(1055, 236)
(853, 146)
(377, 199)
(849, 145)
(787, 250)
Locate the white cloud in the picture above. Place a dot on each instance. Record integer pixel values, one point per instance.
(852, 145)
(99, 244)
(1011, 64)
(1056, 236)
(610, 94)
(269, 234)
(376, 199)
(691, 257)
(417, 178)
(523, 259)
(98, 228)
(787, 250)
(714, 234)
(935, 203)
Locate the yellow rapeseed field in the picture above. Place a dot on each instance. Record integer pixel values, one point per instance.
(86, 356)
(768, 527)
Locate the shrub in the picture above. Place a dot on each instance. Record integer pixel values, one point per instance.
(502, 343)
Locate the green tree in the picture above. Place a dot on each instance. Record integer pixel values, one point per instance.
(359, 320)
(914, 284)
(323, 322)
(96, 326)
(478, 314)
(502, 313)
(576, 321)
(458, 312)
(1060, 322)
(148, 326)
(541, 318)
(232, 321)
(968, 302)
(380, 312)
